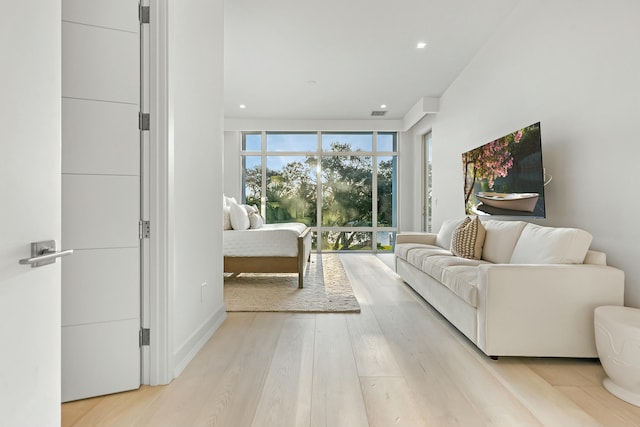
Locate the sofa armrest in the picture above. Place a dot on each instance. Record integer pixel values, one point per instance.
(424, 238)
(543, 310)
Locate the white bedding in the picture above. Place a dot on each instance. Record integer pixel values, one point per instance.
(270, 240)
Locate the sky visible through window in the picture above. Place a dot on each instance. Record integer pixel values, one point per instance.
(292, 142)
(308, 142)
(252, 161)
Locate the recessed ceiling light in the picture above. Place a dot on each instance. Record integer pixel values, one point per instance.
(383, 106)
(243, 106)
(421, 45)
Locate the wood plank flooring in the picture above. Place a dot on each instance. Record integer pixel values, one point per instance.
(397, 363)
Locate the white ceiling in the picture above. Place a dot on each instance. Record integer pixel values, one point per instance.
(359, 53)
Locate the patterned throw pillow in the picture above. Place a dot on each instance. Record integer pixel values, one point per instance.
(468, 239)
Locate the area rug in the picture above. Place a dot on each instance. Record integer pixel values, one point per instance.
(326, 290)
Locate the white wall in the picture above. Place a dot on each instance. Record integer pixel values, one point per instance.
(574, 66)
(196, 91)
(232, 164)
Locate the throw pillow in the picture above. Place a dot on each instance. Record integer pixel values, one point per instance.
(255, 220)
(468, 239)
(239, 217)
(443, 239)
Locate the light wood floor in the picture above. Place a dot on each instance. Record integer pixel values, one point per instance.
(398, 363)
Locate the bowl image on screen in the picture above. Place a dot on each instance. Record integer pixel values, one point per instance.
(512, 201)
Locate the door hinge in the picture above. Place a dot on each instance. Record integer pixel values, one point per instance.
(144, 14)
(144, 229)
(144, 336)
(144, 121)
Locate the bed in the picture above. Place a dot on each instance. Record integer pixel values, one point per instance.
(273, 248)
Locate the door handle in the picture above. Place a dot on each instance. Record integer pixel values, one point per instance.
(44, 253)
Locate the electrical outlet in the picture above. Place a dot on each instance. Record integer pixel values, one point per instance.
(202, 291)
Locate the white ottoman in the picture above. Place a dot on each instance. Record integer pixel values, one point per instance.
(617, 332)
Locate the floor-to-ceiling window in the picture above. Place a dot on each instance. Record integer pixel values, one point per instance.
(342, 184)
(427, 201)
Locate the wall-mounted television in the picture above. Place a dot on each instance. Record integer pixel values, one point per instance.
(505, 176)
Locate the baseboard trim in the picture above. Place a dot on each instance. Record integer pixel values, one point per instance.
(185, 354)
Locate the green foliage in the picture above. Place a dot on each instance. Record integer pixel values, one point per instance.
(385, 193)
(346, 241)
(346, 189)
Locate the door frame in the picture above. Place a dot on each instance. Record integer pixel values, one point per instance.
(157, 363)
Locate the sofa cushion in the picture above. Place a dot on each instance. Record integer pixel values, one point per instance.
(402, 249)
(462, 280)
(443, 239)
(500, 239)
(551, 245)
(435, 266)
(417, 256)
(595, 257)
(468, 238)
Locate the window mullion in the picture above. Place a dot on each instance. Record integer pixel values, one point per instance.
(374, 194)
(319, 193)
(263, 172)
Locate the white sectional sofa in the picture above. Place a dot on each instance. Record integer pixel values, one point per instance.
(532, 292)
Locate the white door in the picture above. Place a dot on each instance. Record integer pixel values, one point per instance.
(29, 212)
(100, 197)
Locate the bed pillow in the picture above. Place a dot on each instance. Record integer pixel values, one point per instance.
(239, 217)
(226, 200)
(255, 220)
(226, 218)
(250, 209)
